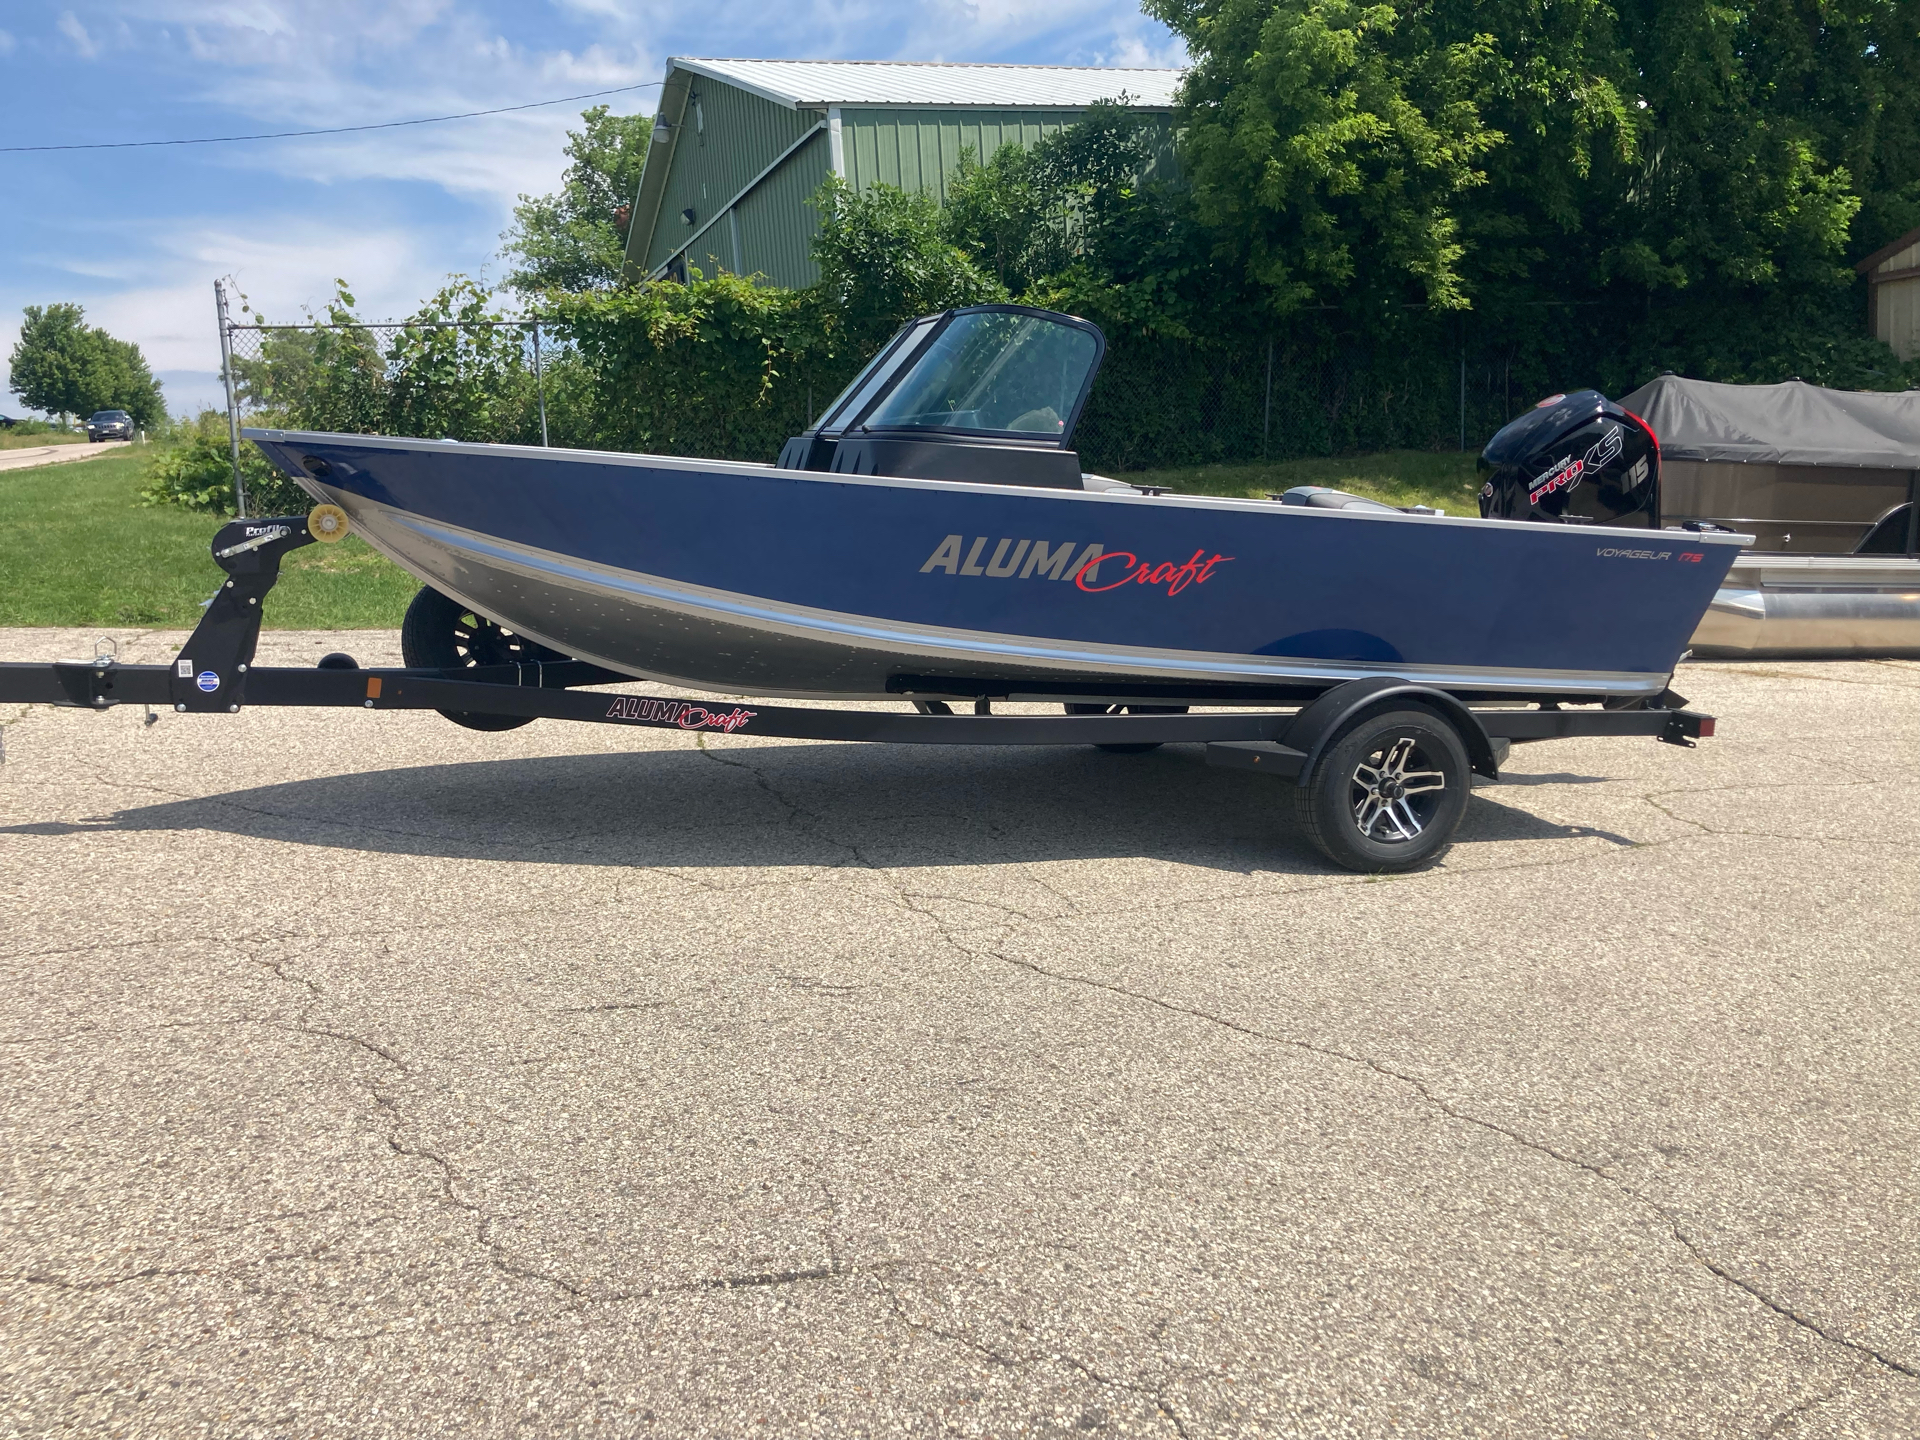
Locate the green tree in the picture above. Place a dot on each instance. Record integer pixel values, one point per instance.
(1328, 142)
(575, 238)
(1089, 221)
(1617, 186)
(65, 366)
(1032, 211)
(885, 257)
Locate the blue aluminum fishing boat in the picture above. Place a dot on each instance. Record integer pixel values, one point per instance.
(933, 538)
(934, 534)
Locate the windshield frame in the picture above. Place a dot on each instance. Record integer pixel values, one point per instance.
(904, 363)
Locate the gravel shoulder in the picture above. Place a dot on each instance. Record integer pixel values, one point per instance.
(368, 1076)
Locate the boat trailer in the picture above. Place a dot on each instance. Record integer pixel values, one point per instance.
(1379, 765)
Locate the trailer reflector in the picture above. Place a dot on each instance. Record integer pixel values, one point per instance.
(1706, 727)
(373, 687)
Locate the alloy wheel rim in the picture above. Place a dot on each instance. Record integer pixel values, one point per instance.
(1395, 792)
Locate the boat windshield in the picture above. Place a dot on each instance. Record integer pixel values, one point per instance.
(994, 370)
(850, 401)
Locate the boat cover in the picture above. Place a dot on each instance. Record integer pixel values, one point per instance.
(1791, 424)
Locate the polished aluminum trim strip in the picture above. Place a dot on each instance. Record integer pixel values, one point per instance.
(819, 477)
(979, 647)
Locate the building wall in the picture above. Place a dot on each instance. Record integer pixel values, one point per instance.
(918, 149)
(731, 136)
(727, 136)
(777, 225)
(1896, 301)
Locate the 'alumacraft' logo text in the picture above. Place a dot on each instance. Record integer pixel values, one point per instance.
(678, 712)
(1043, 560)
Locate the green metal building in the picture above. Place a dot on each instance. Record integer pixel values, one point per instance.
(740, 145)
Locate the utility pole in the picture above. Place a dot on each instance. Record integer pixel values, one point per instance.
(233, 404)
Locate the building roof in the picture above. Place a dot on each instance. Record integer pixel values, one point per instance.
(1791, 424)
(1887, 252)
(813, 83)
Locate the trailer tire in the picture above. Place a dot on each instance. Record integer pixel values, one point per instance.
(440, 633)
(1388, 791)
(1127, 710)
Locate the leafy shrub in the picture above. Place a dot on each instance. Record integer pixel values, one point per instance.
(422, 377)
(195, 472)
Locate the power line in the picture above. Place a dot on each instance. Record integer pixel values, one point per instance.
(336, 130)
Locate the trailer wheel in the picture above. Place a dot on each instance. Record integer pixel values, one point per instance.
(1388, 792)
(442, 634)
(1127, 710)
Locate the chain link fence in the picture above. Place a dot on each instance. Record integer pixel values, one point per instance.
(468, 380)
(1308, 391)
(1442, 383)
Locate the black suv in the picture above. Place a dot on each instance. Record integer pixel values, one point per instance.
(110, 425)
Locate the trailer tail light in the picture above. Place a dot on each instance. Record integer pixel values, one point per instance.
(1706, 727)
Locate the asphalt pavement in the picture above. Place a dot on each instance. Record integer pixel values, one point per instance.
(29, 456)
(366, 1076)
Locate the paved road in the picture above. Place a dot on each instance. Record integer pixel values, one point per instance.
(33, 455)
(368, 1077)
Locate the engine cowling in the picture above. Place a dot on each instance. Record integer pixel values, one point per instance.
(1574, 459)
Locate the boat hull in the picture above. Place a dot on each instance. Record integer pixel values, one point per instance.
(750, 579)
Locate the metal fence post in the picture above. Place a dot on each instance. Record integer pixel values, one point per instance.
(233, 405)
(540, 382)
(1463, 384)
(1266, 423)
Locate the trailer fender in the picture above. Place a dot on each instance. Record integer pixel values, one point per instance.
(1314, 728)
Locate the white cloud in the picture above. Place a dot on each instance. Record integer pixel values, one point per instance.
(70, 26)
(6, 43)
(164, 302)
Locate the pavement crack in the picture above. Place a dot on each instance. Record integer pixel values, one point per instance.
(773, 1277)
(1019, 1361)
(170, 1272)
(498, 1256)
(1794, 1413)
(388, 1106)
(1465, 1117)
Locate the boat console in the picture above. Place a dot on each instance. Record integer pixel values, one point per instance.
(988, 393)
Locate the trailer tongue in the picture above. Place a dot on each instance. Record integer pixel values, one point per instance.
(1380, 766)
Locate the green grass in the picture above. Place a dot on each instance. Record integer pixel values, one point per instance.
(12, 440)
(1444, 479)
(78, 548)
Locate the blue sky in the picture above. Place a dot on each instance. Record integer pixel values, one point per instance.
(137, 236)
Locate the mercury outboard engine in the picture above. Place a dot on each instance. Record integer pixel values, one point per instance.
(1576, 459)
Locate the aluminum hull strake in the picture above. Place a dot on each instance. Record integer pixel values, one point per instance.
(751, 579)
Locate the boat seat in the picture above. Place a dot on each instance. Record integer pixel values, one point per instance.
(1322, 497)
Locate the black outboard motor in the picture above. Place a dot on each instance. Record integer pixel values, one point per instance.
(1575, 459)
